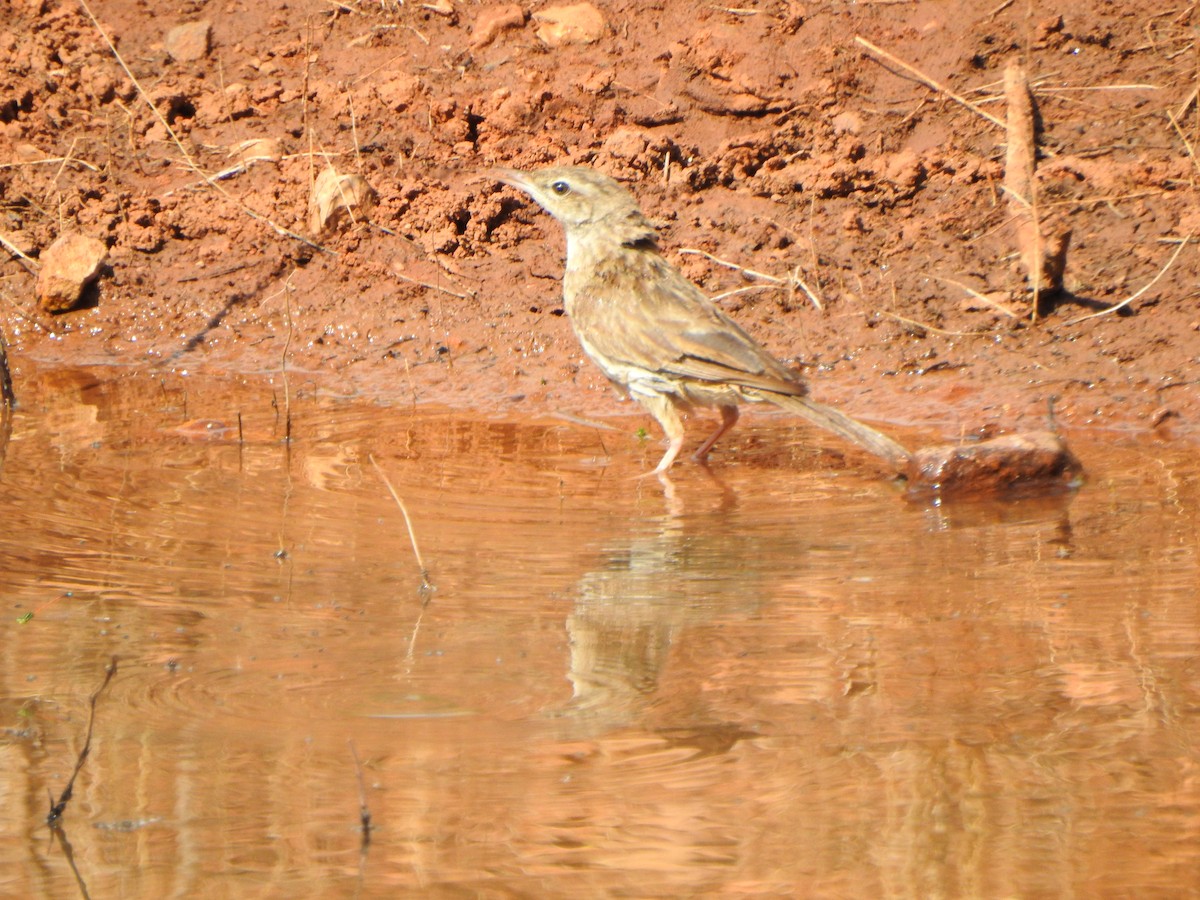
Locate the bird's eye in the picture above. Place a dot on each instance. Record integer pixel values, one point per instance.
(561, 188)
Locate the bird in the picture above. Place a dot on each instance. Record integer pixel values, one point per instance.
(655, 335)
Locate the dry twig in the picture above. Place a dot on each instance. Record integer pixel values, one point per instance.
(926, 80)
(792, 282)
(1153, 281)
(426, 584)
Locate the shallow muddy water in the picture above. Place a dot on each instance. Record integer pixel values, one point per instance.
(780, 679)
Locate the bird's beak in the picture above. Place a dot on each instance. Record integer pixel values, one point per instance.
(512, 177)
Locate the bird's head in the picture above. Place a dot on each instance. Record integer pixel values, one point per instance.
(584, 201)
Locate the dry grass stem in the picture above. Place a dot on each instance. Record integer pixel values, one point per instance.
(1099, 87)
(925, 327)
(30, 264)
(926, 80)
(1153, 281)
(982, 298)
(432, 287)
(725, 295)
(426, 584)
(59, 161)
(792, 282)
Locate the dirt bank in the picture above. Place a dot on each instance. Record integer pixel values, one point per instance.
(763, 134)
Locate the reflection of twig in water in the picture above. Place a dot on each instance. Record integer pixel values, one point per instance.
(69, 854)
(8, 399)
(426, 584)
(364, 813)
(57, 809)
(286, 290)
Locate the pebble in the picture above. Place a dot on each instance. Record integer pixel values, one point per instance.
(577, 23)
(69, 265)
(190, 41)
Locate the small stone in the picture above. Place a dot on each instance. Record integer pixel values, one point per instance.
(336, 197)
(1023, 462)
(69, 265)
(579, 23)
(190, 41)
(494, 19)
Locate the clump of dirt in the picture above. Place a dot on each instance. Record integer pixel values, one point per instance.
(869, 184)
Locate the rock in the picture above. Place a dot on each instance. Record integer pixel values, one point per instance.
(69, 265)
(189, 42)
(1025, 462)
(579, 23)
(494, 19)
(336, 197)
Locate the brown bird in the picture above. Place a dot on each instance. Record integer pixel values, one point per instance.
(654, 333)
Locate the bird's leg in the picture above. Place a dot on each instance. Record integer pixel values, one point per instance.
(729, 417)
(662, 407)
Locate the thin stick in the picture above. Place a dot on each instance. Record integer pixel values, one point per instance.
(922, 325)
(796, 279)
(999, 9)
(925, 79)
(30, 265)
(364, 812)
(1098, 87)
(287, 344)
(717, 298)
(55, 160)
(432, 287)
(57, 809)
(731, 265)
(426, 584)
(792, 282)
(996, 304)
(1131, 298)
(8, 399)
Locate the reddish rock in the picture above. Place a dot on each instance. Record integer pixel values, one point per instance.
(69, 265)
(1025, 462)
(578, 23)
(189, 42)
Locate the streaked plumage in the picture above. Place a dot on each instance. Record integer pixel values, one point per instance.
(653, 332)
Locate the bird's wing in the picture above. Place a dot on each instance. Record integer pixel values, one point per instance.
(646, 315)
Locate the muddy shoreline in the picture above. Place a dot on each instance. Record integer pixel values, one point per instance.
(768, 139)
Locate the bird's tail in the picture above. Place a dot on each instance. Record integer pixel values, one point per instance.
(841, 424)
